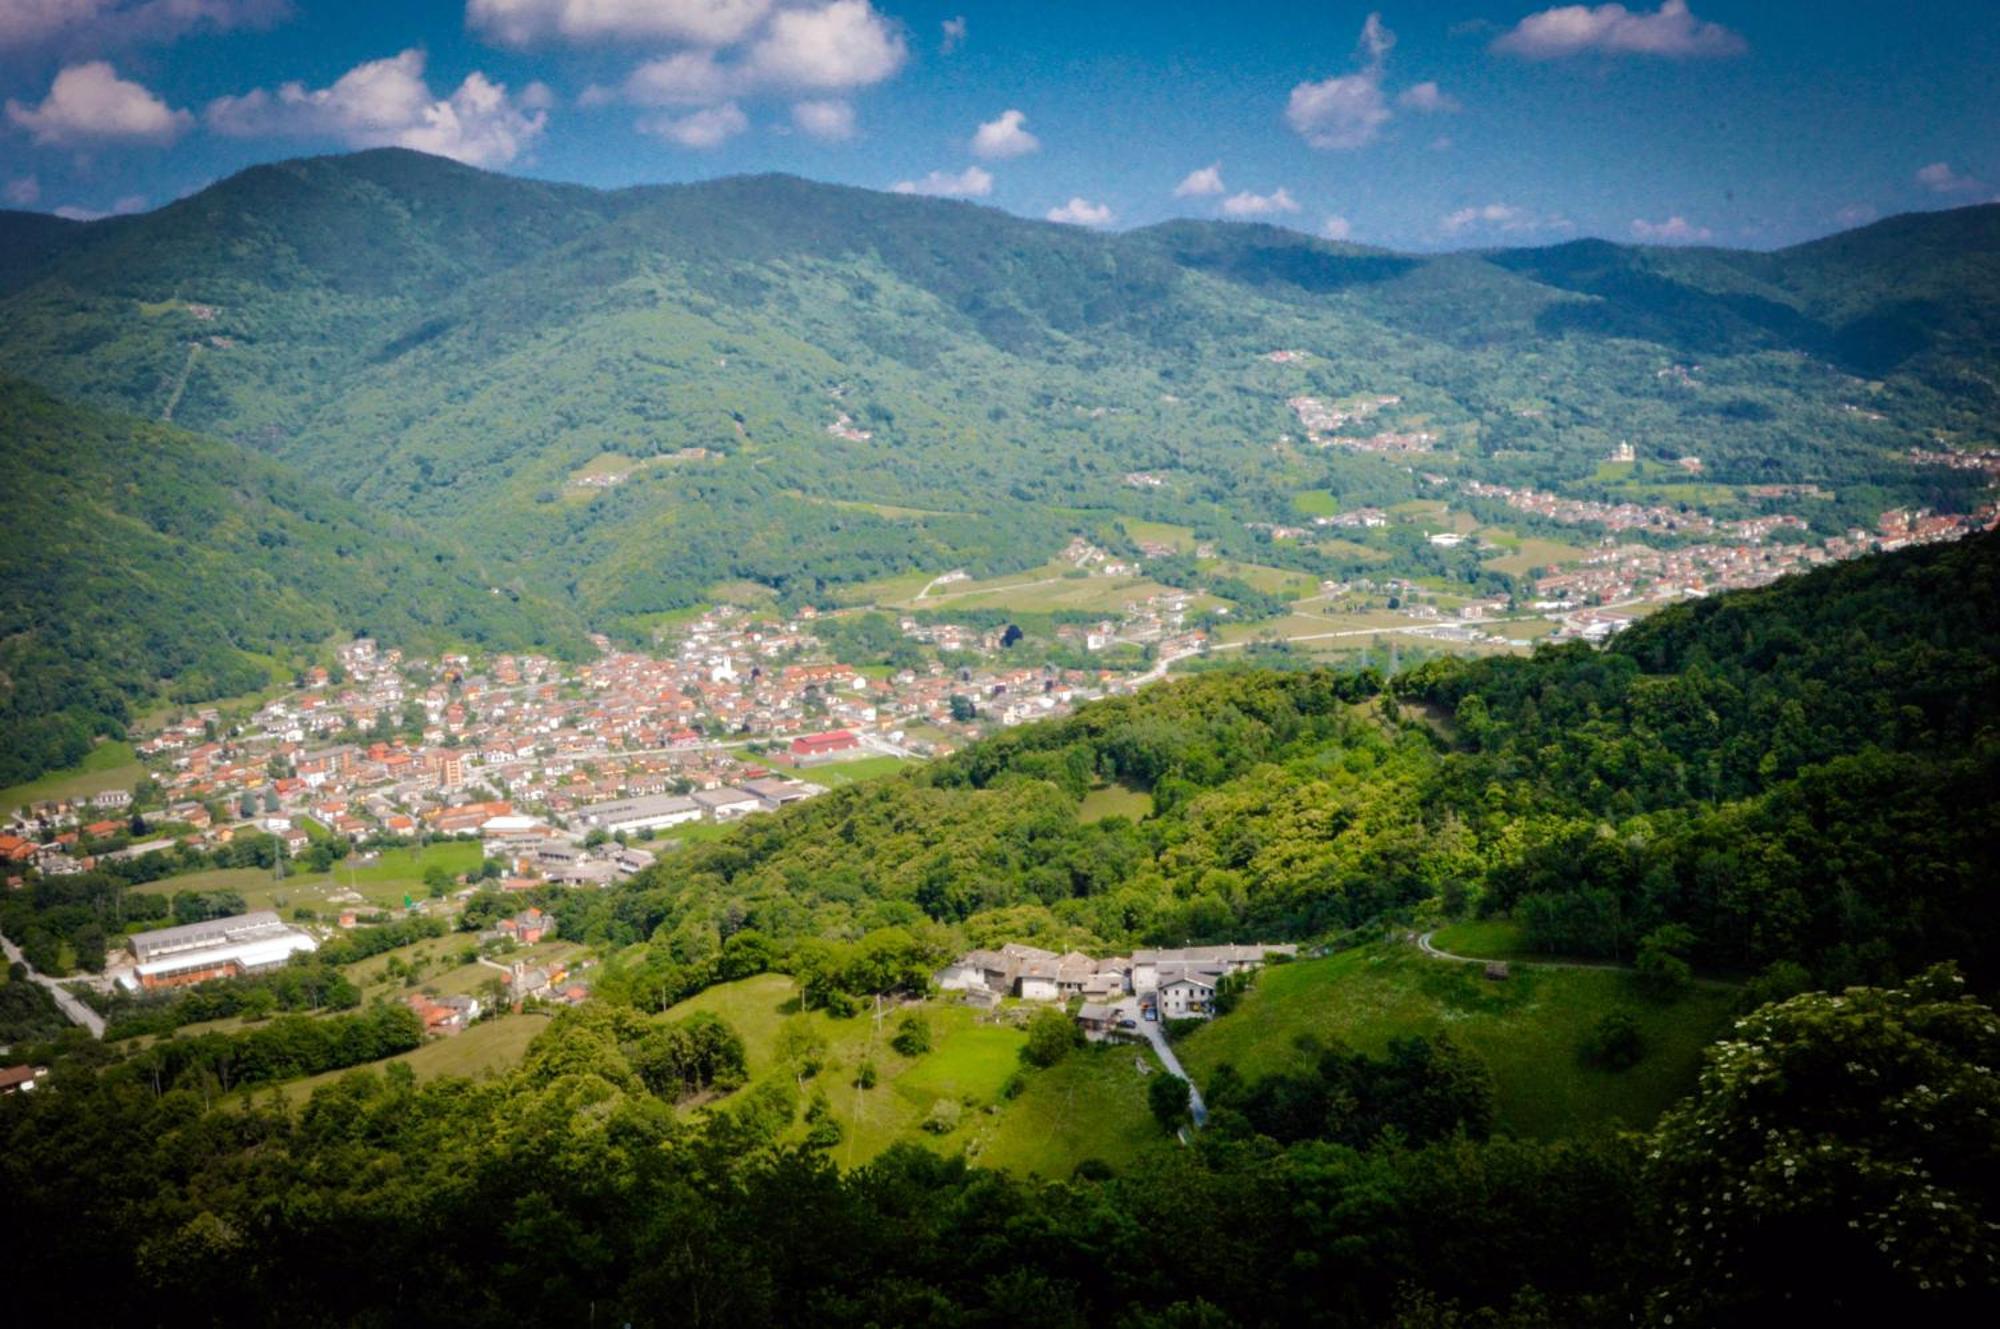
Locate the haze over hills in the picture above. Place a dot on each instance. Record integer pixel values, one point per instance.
(456, 346)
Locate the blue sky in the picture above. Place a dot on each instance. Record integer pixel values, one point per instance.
(1415, 125)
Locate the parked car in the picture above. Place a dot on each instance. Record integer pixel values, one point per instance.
(1128, 1024)
(1152, 1014)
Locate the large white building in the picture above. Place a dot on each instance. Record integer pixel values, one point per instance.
(640, 814)
(217, 948)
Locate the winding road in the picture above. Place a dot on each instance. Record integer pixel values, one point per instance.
(77, 1012)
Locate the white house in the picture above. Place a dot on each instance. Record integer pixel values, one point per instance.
(1186, 994)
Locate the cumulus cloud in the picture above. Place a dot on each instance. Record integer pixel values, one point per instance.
(709, 127)
(1675, 230)
(387, 103)
(1081, 212)
(124, 207)
(1349, 110)
(1005, 137)
(831, 48)
(89, 104)
(1570, 30)
(1247, 204)
(702, 22)
(832, 121)
(1201, 183)
(40, 23)
(22, 192)
(1336, 227)
(1504, 217)
(954, 34)
(1939, 178)
(1428, 98)
(972, 182)
(845, 44)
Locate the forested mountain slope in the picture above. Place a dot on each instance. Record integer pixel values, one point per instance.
(457, 346)
(142, 561)
(1803, 777)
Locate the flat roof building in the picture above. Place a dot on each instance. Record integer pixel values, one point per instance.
(215, 948)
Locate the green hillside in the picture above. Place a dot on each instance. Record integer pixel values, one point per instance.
(143, 561)
(456, 346)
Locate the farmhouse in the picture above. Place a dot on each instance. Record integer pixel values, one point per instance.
(1146, 965)
(218, 948)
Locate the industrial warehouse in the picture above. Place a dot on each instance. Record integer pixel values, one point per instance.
(217, 948)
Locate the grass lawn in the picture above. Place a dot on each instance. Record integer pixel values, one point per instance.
(1315, 503)
(384, 883)
(1486, 939)
(492, 1045)
(1532, 553)
(1091, 1104)
(1115, 800)
(1258, 576)
(110, 765)
(1526, 1029)
(835, 774)
(1159, 532)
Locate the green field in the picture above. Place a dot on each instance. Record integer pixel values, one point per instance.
(1523, 554)
(491, 1045)
(110, 765)
(1159, 532)
(397, 873)
(1092, 1104)
(1486, 939)
(1527, 1029)
(1315, 503)
(1089, 1106)
(835, 774)
(1115, 800)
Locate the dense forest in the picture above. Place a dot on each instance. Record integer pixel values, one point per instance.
(142, 563)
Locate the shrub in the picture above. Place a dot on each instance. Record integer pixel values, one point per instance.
(1614, 1043)
(913, 1036)
(1051, 1035)
(864, 1078)
(944, 1116)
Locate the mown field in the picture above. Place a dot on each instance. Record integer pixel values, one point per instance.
(110, 765)
(492, 1045)
(383, 883)
(1527, 1029)
(1091, 1105)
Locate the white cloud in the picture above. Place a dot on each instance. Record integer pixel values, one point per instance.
(124, 207)
(1615, 30)
(1349, 110)
(1428, 98)
(1939, 178)
(709, 127)
(1201, 183)
(1004, 137)
(22, 192)
(1247, 204)
(954, 34)
(1504, 217)
(702, 22)
(1081, 212)
(830, 48)
(832, 121)
(845, 44)
(89, 104)
(1336, 227)
(1442, 143)
(685, 78)
(1855, 214)
(387, 103)
(972, 182)
(105, 23)
(1675, 230)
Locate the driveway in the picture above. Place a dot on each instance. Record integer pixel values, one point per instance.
(1128, 1009)
(74, 1009)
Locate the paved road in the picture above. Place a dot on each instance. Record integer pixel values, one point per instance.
(74, 1009)
(1157, 1036)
